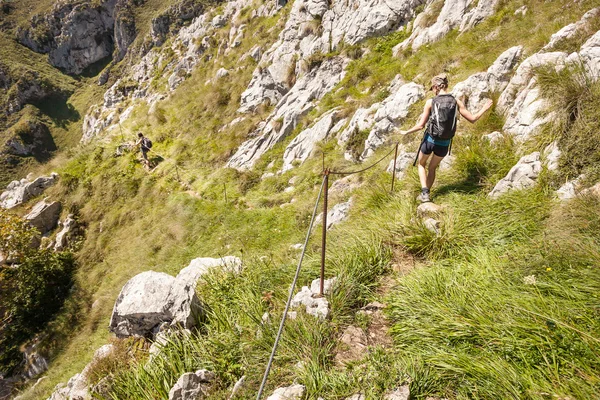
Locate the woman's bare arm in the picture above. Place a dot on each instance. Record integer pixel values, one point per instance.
(470, 117)
(422, 121)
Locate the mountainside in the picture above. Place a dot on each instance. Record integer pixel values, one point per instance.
(490, 293)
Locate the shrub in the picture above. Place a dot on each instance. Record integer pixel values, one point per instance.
(31, 293)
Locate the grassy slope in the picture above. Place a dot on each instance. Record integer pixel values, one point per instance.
(138, 222)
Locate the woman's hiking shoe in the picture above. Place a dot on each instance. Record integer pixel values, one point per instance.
(424, 197)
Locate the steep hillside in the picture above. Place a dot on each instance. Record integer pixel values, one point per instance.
(491, 292)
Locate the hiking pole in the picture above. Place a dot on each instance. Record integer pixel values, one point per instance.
(394, 169)
(324, 238)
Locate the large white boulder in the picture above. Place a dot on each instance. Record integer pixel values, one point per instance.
(151, 298)
(145, 302)
(522, 176)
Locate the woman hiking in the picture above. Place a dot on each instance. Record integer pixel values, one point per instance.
(440, 114)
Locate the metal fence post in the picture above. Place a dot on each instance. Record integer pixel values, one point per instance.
(394, 169)
(324, 241)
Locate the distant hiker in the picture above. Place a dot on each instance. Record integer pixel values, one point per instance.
(440, 114)
(145, 145)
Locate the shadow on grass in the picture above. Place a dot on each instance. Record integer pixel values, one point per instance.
(470, 184)
(58, 109)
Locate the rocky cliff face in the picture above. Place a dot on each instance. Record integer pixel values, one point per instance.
(74, 35)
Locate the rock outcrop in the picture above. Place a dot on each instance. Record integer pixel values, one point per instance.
(571, 31)
(318, 27)
(481, 86)
(303, 145)
(454, 14)
(29, 137)
(382, 118)
(520, 101)
(337, 214)
(44, 216)
(296, 103)
(522, 176)
(570, 189)
(74, 35)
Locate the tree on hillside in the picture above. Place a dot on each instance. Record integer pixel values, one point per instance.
(34, 284)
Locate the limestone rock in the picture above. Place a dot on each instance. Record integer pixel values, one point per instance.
(393, 110)
(219, 21)
(552, 155)
(150, 298)
(572, 30)
(454, 14)
(222, 73)
(35, 363)
(200, 266)
(493, 137)
(44, 216)
(401, 393)
(77, 386)
(522, 176)
(522, 11)
(32, 138)
(589, 56)
(335, 215)
(237, 387)
(592, 191)
(293, 392)
(476, 15)
(76, 35)
(344, 185)
(481, 86)
(432, 225)
(296, 103)
(18, 192)
(309, 298)
(303, 145)
(353, 345)
(570, 189)
(362, 120)
(189, 386)
(319, 26)
(64, 237)
(403, 162)
(520, 101)
(428, 209)
(124, 29)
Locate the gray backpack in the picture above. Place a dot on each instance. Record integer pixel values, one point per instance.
(442, 121)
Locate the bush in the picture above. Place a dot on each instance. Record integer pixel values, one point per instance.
(32, 292)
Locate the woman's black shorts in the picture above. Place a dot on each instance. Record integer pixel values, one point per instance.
(428, 147)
